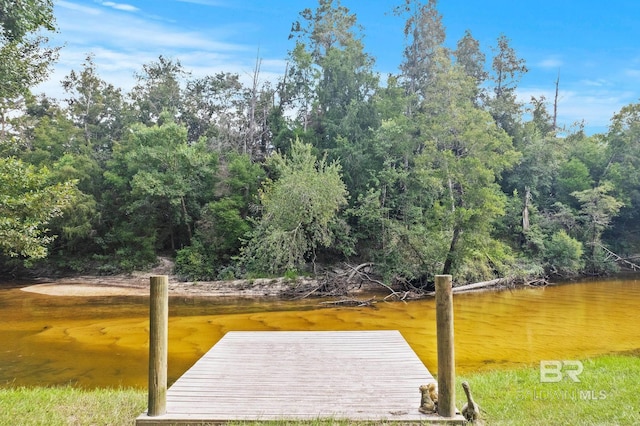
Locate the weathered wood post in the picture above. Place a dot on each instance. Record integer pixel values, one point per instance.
(446, 356)
(158, 344)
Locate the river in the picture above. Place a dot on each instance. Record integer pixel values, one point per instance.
(94, 342)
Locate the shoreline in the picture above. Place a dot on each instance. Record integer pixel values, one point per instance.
(137, 284)
(84, 286)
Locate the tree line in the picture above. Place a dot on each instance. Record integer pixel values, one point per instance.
(436, 169)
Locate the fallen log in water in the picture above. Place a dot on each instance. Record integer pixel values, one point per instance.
(351, 302)
(476, 286)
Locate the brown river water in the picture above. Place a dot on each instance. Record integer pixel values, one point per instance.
(102, 341)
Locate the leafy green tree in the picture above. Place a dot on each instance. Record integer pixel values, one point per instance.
(79, 221)
(96, 108)
(470, 57)
(406, 246)
(44, 133)
(299, 212)
(24, 61)
(425, 34)
(573, 176)
(597, 211)
(592, 151)
(28, 202)
(27, 16)
(48, 138)
(157, 184)
(211, 109)
(536, 172)
(390, 220)
(329, 49)
(24, 57)
(298, 88)
(440, 170)
(433, 203)
(551, 170)
(541, 119)
(223, 223)
(158, 90)
(53, 136)
(466, 154)
(622, 169)
(507, 70)
(217, 241)
(563, 254)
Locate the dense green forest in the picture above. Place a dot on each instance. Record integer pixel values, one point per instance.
(436, 169)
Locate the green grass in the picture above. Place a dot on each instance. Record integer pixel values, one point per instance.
(70, 406)
(605, 395)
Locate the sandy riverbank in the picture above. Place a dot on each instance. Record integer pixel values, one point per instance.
(137, 284)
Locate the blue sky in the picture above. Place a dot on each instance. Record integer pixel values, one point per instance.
(592, 44)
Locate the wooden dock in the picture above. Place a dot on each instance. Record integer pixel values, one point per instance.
(300, 375)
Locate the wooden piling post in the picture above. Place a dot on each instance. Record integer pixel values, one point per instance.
(158, 344)
(446, 356)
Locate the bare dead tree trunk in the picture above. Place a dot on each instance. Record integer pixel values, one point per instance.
(525, 211)
(448, 263)
(186, 217)
(3, 124)
(252, 104)
(87, 133)
(555, 104)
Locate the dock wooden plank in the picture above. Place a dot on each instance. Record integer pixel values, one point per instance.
(300, 375)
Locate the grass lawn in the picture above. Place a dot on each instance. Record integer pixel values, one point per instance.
(59, 406)
(605, 395)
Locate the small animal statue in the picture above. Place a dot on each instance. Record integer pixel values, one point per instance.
(470, 410)
(428, 399)
(433, 392)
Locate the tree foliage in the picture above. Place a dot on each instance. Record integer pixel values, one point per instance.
(425, 36)
(470, 57)
(28, 202)
(19, 18)
(563, 254)
(339, 107)
(466, 154)
(440, 169)
(24, 59)
(507, 70)
(299, 212)
(165, 179)
(223, 223)
(96, 108)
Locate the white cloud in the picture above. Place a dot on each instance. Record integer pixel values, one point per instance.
(552, 62)
(122, 42)
(634, 73)
(120, 6)
(205, 2)
(593, 105)
(77, 7)
(130, 32)
(600, 82)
